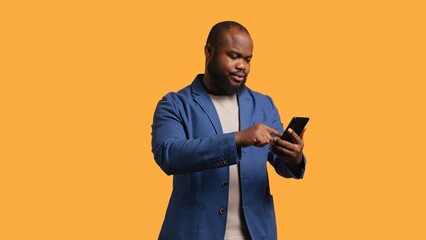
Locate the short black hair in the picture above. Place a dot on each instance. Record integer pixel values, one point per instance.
(216, 33)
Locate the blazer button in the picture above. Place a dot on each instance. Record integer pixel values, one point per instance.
(222, 211)
(225, 184)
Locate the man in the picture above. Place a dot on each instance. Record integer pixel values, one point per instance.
(214, 137)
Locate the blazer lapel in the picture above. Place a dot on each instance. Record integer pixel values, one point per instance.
(245, 104)
(202, 98)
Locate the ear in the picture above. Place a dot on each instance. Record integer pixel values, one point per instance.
(209, 51)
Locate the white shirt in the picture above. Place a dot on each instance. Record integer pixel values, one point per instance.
(227, 110)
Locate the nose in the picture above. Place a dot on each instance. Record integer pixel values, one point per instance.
(241, 65)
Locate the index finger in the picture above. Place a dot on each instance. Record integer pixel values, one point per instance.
(273, 131)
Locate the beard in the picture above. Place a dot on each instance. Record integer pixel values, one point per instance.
(221, 80)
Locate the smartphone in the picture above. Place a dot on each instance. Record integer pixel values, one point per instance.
(297, 124)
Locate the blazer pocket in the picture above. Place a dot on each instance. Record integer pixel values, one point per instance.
(271, 225)
(181, 221)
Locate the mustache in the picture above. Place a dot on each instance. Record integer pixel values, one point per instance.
(240, 73)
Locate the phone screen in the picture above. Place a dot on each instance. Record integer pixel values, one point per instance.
(297, 124)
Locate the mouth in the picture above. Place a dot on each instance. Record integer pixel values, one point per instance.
(239, 77)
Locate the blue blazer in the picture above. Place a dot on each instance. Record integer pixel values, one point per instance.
(188, 143)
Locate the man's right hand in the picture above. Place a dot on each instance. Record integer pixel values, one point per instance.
(258, 135)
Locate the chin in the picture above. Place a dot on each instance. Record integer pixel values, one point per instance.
(231, 89)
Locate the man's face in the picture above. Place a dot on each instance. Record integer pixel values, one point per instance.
(230, 64)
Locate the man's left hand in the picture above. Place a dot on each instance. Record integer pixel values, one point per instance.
(290, 152)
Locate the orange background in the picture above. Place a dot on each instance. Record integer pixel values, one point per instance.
(80, 81)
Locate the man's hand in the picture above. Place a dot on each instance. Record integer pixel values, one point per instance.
(258, 135)
(290, 152)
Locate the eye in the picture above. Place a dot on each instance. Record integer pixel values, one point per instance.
(248, 59)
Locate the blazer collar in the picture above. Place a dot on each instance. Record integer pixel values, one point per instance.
(201, 96)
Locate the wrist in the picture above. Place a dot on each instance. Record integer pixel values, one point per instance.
(238, 139)
(295, 161)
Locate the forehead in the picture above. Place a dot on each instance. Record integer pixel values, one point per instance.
(237, 40)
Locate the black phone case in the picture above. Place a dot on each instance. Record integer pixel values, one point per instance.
(297, 124)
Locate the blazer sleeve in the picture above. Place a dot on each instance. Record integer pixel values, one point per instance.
(176, 153)
(279, 164)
